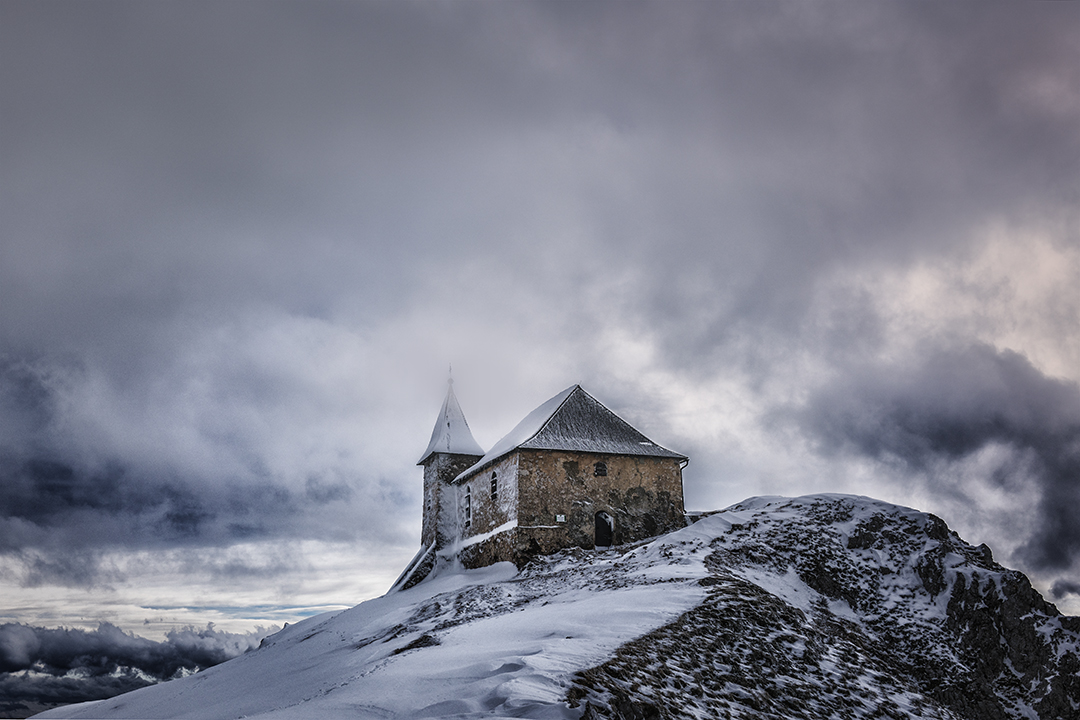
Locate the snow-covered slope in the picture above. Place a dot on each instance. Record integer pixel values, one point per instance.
(823, 606)
(467, 643)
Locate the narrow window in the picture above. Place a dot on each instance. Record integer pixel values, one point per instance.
(600, 469)
(468, 507)
(494, 486)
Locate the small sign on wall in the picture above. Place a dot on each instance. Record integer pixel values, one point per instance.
(560, 518)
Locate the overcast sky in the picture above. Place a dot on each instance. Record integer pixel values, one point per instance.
(817, 247)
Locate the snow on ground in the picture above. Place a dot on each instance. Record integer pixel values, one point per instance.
(495, 642)
(820, 606)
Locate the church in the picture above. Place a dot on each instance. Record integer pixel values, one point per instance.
(571, 474)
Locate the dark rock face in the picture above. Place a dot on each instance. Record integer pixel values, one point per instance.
(847, 608)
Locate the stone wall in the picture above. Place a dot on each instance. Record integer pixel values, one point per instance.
(643, 494)
(440, 510)
(489, 511)
(557, 496)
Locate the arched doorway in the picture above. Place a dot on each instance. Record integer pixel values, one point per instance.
(605, 530)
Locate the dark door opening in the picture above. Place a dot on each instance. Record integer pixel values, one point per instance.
(605, 529)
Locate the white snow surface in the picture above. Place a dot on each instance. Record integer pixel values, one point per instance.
(488, 643)
(451, 433)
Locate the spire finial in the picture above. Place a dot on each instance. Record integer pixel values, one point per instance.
(450, 375)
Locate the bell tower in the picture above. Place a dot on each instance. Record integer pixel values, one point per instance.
(451, 450)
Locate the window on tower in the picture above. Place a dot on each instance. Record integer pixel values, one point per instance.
(468, 507)
(494, 486)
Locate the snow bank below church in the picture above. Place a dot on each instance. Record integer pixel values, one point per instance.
(491, 642)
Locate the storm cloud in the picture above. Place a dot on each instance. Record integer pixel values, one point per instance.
(66, 500)
(1061, 588)
(42, 667)
(953, 403)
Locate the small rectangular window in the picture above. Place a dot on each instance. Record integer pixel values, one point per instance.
(468, 508)
(600, 469)
(494, 486)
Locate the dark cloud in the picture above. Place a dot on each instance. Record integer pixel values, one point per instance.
(62, 505)
(1061, 588)
(948, 405)
(59, 666)
(163, 157)
(49, 508)
(127, 506)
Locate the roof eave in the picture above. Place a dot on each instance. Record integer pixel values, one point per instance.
(451, 454)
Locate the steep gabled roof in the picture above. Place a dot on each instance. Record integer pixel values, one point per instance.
(451, 433)
(576, 421)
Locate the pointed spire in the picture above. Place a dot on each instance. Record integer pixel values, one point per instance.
(451, 433)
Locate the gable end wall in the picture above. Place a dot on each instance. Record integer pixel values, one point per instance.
(643, 494)
(489, 512)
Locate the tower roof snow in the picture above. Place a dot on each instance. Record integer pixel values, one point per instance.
(576, 421)
(451, 433)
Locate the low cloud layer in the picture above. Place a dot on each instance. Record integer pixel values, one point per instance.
(59, 666)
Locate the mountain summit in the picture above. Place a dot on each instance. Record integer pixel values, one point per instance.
(820, 606)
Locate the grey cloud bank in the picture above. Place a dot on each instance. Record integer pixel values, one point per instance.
(40, 666)
(827, 246)
(950, 406)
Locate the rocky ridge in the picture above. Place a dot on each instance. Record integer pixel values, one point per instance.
(843, 607)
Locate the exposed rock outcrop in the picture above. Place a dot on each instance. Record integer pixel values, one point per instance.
(847, 608)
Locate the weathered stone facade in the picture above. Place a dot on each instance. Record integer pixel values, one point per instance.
(553, 500)
(440, 498)
(572, 474)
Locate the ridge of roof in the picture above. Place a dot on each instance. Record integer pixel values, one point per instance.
(451, 433)
(584, 424)
(576, 421)
(533, 423)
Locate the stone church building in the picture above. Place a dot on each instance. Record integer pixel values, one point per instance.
(571, 474)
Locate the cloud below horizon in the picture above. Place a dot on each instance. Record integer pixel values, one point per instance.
(60, 666)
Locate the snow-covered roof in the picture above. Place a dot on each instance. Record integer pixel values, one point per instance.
(451, 433)
(576, 421)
